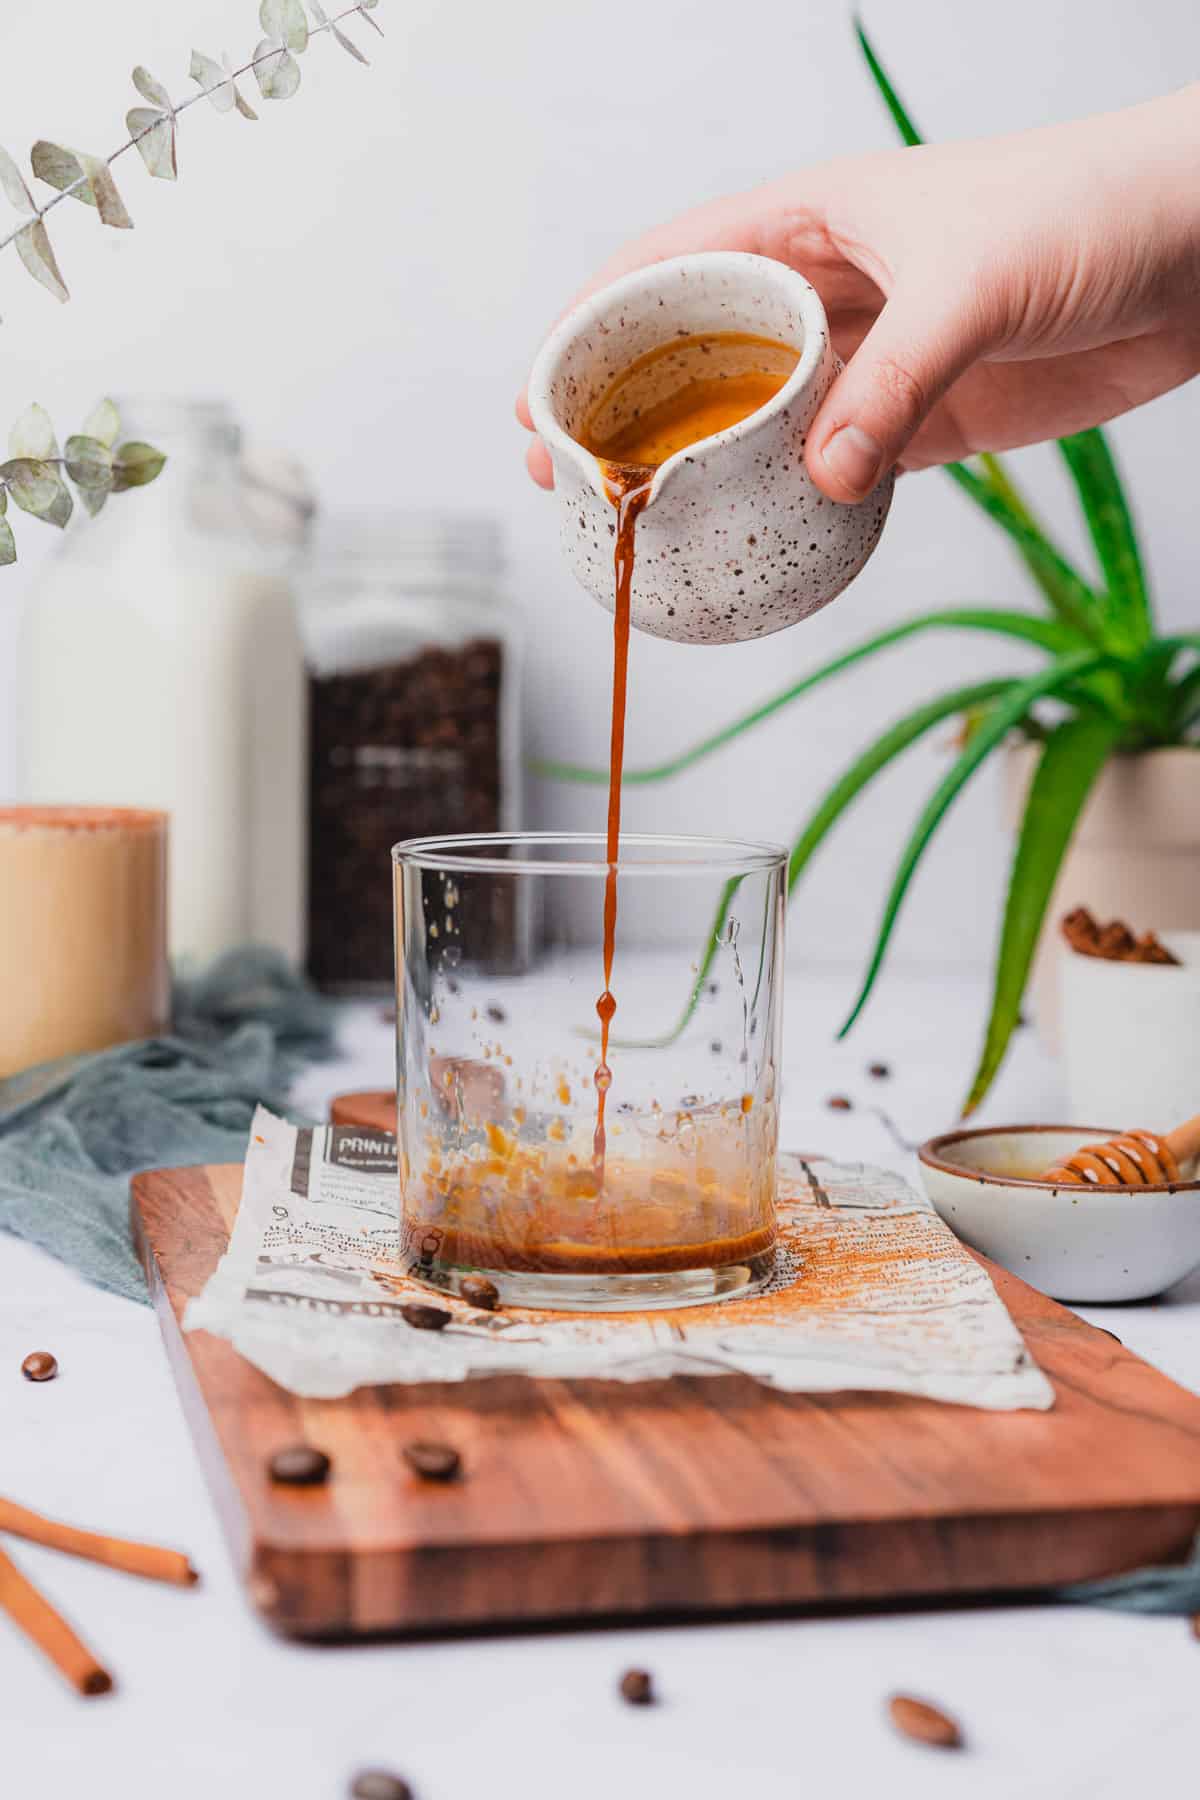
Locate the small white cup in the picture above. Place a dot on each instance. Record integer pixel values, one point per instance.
(1131, 1036)
(735, 541)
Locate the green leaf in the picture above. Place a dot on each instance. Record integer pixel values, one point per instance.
(32, 483)
(275, 70)
(1005, 714)
(94, 499)
(85, 178)
(8, 545)
(16, 190)
(89, 462)
(845, 790)
(892, 101)
(33, 248)
(103, 422)
(285, 20)
(153, 135)
(135, 465)
(1072, 600)
(1044, 633)
(152, 90)
(61, 507)
(1106, 509)
(213, 82)
(1072, 759)
(32, 435)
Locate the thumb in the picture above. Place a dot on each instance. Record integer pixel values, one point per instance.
(890, 386)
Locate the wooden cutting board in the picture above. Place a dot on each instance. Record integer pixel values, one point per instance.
(596, 1499)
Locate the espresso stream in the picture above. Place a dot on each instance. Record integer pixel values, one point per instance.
(668, 399)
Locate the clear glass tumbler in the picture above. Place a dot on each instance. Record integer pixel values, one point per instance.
(503, 1170)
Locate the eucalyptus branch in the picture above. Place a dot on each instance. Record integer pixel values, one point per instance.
(96, 462)
(153, 127)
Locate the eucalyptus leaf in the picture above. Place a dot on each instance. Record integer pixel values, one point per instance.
(153, 134)
(60, 508)
(93, 499)
(348, 45)
(213, 81)
(86, 178)
(285, 20)
(8, 546)
(3, 501)
(33, 484)
(15, 187)
(135, 465)
(152, 90)
(32, 435)
(89, 462)
(275, 70)
(33, 248)
(243, 105)
(103, 422)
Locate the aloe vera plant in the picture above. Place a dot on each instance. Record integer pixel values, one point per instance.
(1117, 688)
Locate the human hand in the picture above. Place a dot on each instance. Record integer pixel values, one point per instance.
(984, 295)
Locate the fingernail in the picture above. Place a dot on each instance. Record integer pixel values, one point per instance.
(854, 458)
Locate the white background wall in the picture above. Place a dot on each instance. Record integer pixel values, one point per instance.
(367, 272)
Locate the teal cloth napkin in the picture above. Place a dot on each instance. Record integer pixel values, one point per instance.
(73, 1132)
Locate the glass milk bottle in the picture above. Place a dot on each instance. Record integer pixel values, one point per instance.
(160, 667)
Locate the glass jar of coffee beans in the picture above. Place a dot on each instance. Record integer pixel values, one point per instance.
(411, 649)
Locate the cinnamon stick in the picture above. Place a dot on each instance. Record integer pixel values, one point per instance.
(33, 1614)
(149, 1560)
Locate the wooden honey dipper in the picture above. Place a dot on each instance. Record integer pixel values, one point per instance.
(1135, 1159)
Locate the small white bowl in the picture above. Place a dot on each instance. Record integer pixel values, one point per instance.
(1075, 1243)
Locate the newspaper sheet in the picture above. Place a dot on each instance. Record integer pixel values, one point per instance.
(871, 1292)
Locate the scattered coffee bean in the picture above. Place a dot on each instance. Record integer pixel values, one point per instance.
(379, 1784)
(879, 1071)
(39, 1365)
(496, 1014)
(300, 1465)
(839, 1103)
(923, 1723)
(477, 1290)
(424, 1318)
(637, 1687)
(1196, 1625)
(715, 1046)
(432, 1462)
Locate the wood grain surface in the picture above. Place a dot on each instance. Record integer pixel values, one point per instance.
(598, 1499)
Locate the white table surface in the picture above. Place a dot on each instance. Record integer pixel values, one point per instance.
(1056, 1701)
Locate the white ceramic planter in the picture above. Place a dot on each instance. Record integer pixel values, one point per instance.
(1080, 1244)
(735, 541)
(1131, 1036)
(1135, 856)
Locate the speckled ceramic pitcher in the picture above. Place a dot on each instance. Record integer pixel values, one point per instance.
(735, 541)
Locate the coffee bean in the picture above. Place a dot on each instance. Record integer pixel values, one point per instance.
(496, 1014)
(1196, 1625)
(477, 1290)
(39, 1365)
(379, 1784)
(839, 1103)
(923, 1723)
(715, 1046)
(300, 1465)
(432, 1462)
(637, 1687)
(424, 1318)
(879, 1071)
